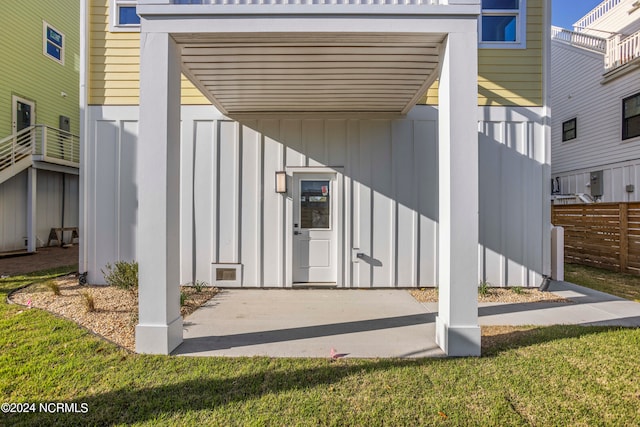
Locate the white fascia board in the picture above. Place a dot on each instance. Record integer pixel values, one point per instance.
(306, 9)
(310, 24)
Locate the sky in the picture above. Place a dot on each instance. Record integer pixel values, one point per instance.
(565, 12)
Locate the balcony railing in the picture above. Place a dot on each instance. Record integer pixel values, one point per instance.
(595, 14)
(621, 51)
(44, 143)
(587, 41)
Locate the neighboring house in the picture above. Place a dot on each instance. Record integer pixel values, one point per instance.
(39, 121)
(595, 96)
(352, 144)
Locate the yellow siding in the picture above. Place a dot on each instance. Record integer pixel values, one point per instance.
(114, 64)
(510, 77)
(506, 77)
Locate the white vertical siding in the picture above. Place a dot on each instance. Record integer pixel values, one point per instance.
(513, 196)
(13, 208)
(13, 213)
(388, 170)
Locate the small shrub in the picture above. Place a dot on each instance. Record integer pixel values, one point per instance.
(53, 287)
(88, 301)
(483, 289)
(517, 290)
(183, 298)
(122, 275)
(198, 285)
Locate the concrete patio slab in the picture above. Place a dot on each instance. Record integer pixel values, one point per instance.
(586, 307)
(309, 323)
(367, 323)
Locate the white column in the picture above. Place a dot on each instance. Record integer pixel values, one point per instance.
(160, 325)
(32, 198)
(457, 330)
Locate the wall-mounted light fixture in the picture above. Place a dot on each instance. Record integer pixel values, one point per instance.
(281, 182)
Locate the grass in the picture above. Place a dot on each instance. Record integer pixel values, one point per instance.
(561, 375)
(619, 284)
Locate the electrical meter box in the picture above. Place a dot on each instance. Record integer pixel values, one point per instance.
(596, 184)
(65, 124)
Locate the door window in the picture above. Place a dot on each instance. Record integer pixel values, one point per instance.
(315, 204)
(23, 116)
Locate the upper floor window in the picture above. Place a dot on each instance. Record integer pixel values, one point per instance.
(124, 16)
(52, 43)
(631, 116)
(569, 130)
(503, 24)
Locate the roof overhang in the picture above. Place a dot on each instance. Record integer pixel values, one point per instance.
(299, 58)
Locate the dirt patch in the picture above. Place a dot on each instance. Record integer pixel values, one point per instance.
(42, 259)
(504, 295)
(116, 310)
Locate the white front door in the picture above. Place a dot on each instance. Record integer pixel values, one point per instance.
(314, 227)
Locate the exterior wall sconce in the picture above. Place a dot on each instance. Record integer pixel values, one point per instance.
(281, 182)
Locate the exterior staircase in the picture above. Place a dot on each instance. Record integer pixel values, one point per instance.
(37, 144)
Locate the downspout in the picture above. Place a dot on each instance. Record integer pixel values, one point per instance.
(546, 201)
(64, 176)
(84, 132)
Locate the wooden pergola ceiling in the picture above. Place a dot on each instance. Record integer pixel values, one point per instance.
(246, 73)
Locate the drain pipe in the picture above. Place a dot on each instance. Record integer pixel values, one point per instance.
(544, 286)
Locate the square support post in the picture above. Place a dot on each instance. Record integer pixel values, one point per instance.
(160, 325)
(32, 200)
(457, 330)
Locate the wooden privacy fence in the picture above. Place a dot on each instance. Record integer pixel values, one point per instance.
(605, 235)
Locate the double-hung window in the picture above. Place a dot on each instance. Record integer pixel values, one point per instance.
(53, 43)
(569, 130)
(503, 24)
(124, 16)
(631, 116)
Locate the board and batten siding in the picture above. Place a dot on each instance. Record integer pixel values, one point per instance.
(28, 73)
(114, 64)
(511, 77)
(49, 199)
(230, 212)
(577, 92)
(506, 77)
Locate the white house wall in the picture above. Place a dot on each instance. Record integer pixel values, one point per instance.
(13, 208)
(622, 19)
(577, 92)
(230, 212)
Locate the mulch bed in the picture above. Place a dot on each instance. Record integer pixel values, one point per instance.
(116, 310)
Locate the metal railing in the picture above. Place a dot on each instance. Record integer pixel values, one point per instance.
(45, 143)
(16, 147)
(621, 51)
(595, 14)
(574, 38)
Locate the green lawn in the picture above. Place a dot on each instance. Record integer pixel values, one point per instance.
(553, 376)
(623, 285)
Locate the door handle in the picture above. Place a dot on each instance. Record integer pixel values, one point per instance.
(296, 232)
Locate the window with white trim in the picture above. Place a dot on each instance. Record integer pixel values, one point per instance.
(631, 117)
(503, 24)
(124, 16)
(52, 43)
(570, 130)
